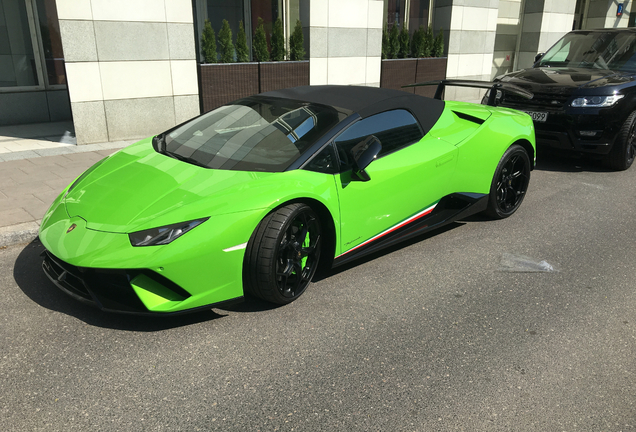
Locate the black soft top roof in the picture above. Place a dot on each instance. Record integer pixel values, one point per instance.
(366, 101)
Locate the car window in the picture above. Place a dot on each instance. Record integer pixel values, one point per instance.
(395, 129)
(601, 50)
(561, 52)
(252, 134)
(324, 162)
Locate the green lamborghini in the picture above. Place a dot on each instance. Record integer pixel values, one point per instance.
(250, 198)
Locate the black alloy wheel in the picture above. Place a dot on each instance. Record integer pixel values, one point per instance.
(623, 151)
(283, 254)
(510, 183)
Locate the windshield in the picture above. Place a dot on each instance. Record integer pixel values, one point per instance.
(252, 134)
(601, 50)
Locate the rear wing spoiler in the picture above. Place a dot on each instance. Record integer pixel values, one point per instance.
(494, 87)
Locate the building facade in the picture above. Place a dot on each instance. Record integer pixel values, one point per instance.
(125, 69)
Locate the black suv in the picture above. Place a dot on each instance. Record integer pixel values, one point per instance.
(584, 95)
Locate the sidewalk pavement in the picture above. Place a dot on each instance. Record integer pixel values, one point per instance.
(36, 163)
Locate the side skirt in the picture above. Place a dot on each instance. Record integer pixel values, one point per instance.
(451, 208)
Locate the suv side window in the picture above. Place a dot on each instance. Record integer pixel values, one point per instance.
(395, 129)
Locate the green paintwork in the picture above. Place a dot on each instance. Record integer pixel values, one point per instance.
(154, 295)
(137, 188)
(399, 187)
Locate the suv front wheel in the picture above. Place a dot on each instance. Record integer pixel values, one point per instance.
(622, 154)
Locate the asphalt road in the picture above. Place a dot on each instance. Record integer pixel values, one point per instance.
(444, 333)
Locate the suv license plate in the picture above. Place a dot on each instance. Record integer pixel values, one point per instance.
(538, 116)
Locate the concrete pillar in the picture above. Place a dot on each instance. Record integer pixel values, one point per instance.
(469, 30)
(345, 42)
(602, 14)
(508, 28)
(543, 23)
(130, 66)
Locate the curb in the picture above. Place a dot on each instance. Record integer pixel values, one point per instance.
(20, 233)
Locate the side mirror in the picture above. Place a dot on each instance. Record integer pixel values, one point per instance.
(538, 57)
(159, 143)
(363, 154)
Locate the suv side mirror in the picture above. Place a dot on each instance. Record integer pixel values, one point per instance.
(538, 57)
(363, 154)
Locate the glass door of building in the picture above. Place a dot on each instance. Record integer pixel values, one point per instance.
(31, 58)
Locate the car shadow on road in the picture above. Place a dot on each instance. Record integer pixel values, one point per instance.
(29, 276)
(552, 161)
(252, 304)
(31, 279)
(326, 273)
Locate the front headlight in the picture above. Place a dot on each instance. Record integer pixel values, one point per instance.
(163, 235)
(596, 101)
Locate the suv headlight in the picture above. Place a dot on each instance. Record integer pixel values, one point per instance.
(596, 101)
(163, 235)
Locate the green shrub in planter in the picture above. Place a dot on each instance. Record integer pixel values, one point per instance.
(405, 43)
(385, 43)
(428, 42)
(259, 45)
(208, 43)
(416, 43)
(225, 43)
(394, 42)
(438, 44)
(278, 42)
(296, 41)
(242, 52)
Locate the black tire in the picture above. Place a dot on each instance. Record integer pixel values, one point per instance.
(283, 254)
(510, 183)
(622, 154)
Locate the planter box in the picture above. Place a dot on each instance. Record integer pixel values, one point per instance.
(398, 72)
(280, 75)
(225, 82)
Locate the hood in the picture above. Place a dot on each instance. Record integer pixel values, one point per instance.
(568, 80)
(138, 188)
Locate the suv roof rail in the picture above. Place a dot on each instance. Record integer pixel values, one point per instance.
(492, 86)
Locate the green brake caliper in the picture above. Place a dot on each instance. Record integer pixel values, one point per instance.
(305, 244)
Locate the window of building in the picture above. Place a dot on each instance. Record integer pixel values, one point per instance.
(409, 13)
(31, 54)
(269, 11)
(249, 11)
(395, 129)
(17, 59)
(49, 27)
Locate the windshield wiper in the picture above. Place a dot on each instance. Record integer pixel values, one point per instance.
(187, 159)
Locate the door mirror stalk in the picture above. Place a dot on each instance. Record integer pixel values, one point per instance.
(363, 154)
